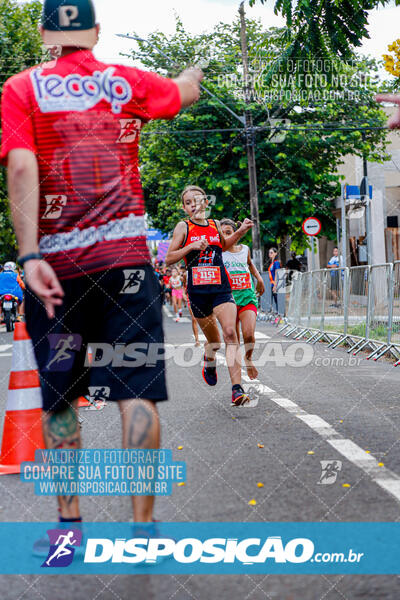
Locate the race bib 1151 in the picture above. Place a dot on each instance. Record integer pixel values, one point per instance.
(206, 275)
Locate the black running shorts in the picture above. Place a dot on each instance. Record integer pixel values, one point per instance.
(117, 315)
(202, 305)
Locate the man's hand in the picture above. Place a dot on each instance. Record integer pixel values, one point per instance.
(189, 85)
(199, 245)
(43, 281)
(394, 121)
(245, 226)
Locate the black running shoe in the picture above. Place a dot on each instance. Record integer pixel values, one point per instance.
(210, 373)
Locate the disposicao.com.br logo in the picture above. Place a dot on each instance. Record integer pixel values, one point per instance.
(201, 548)
(210, 551)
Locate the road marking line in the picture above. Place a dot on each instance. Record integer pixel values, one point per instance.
(167, 311)
(5, 347)
(319, 425)
(245, 377)
(382, 476)
(284, 402)
(390, 485)
(1, 355)
(364, 461)
(261, 336)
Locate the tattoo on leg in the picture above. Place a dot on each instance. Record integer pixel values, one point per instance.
(140, 425)
(61, 429)
(67, 499)
(63, 424)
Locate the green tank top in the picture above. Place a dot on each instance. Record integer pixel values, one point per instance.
(240, 277)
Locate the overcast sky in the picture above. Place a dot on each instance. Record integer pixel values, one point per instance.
(125, 16)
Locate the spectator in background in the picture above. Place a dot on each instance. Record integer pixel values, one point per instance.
(160, 276)
(334, 263)
(273, 267)
(167, 287)
(293, 264)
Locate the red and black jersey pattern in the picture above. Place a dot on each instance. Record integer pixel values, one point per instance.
(206, 270)
(82, 118)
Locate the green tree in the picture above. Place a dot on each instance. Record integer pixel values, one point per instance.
(324, 28)
(20, 48)
(296, 177)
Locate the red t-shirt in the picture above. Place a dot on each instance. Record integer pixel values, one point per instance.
(82, 118)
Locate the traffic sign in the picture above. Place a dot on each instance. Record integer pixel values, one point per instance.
(312, 226)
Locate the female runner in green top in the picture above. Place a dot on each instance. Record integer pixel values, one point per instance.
(240, 268)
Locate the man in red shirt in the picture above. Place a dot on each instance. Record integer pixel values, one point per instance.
(70, 131)
(167, 286)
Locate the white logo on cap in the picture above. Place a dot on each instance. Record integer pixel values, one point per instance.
(66, 14)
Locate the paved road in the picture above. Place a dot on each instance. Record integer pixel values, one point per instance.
(313, 405)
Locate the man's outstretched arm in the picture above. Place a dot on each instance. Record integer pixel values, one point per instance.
(23, 191)
(188, 83)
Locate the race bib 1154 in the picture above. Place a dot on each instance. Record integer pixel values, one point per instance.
(240, 281)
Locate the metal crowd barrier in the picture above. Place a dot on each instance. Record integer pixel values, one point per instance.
(358, 307)
(274, 308)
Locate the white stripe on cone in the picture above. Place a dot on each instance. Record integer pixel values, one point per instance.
(24, 399)
(23, 358)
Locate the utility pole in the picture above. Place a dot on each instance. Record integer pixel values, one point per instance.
(344, 225)
(250, 145)
(364, 191)
(248, 131)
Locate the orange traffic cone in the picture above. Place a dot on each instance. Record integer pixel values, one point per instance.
(22, 433)
(83, 402)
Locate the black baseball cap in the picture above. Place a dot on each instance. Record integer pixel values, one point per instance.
(69, 23)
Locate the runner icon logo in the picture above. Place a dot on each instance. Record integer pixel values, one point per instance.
(55, 205)
(63, 348)
(97, 397)
(129, 130)
(252, 392)
(99, 392)
(50, 54)
(330, 470)
(211, 203)
(62, 547)
(133, 280)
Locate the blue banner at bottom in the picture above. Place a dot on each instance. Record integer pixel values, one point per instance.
(200, 548)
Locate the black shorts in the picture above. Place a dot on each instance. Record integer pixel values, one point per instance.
(202, 305)
(116, 313)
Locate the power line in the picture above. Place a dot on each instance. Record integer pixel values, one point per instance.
(316, 128)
